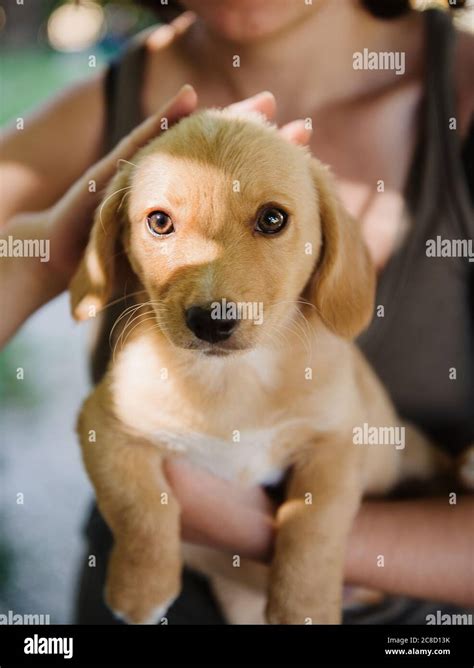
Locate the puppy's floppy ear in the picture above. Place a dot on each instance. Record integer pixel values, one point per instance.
(343, 285)
(92, 284)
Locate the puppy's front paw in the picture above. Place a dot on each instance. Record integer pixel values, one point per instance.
(138, 614)
(140, 591)
(285, 609)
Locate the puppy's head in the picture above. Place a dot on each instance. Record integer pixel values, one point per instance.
(230, 229)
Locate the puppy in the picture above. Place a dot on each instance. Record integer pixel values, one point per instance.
(248, 282)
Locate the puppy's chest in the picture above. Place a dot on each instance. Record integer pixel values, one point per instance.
(239, 432)
(248, 456)
(248, 444)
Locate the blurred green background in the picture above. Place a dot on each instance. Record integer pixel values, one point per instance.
(42, 51)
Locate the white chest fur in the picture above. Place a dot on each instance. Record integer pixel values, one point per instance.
(249, 457)
(222, 435)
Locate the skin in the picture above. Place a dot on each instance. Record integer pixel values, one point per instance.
(349, 109)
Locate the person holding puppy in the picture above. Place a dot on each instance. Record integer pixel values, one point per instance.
(397, 160)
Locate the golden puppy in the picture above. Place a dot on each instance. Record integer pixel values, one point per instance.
(249, 282)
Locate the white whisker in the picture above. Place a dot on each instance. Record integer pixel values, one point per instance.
(106, 200)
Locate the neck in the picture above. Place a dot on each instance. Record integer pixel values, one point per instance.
(306, 65)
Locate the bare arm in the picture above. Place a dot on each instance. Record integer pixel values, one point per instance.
(58, 143)
(427, 545)
(38, 164)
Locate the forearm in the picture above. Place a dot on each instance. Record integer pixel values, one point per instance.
(427, 548)
(26, 283)
(427, 545)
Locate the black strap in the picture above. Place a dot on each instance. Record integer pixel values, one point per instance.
(444, 160)
(468, 161)
(110, 96)
(123, 87)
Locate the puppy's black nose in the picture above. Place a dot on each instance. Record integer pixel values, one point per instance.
(206, 327)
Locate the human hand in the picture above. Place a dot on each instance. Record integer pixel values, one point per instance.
(28, 283)
(221, 514)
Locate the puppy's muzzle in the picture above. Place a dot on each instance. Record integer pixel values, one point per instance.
(207, 327)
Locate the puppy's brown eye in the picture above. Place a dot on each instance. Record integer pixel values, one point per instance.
(271, 220)
(159, 223)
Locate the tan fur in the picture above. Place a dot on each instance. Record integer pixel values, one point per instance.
(167, 391)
